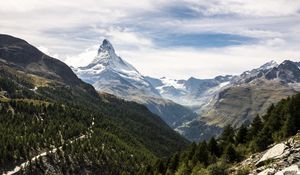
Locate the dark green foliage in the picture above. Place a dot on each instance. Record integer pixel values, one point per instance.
(218, 169)
(213, 147)
(256, 127)
(227, 137)
(289, 126)
(30, 124)
(44, 105)
(173, 162)
(201, 154)
(241, 136)
(230, 155)
(160, 167)
(281, 121)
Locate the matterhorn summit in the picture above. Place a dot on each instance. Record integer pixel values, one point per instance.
(107, 59)
(111, 74)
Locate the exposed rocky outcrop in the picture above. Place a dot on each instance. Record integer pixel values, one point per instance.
(280, 159)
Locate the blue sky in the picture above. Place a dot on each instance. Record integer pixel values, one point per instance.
(176, 39)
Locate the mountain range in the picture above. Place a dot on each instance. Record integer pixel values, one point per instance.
(111, 74)
(196, 108)
(231, 100)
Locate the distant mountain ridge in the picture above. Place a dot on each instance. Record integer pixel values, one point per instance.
(230, 99)
(192, 92)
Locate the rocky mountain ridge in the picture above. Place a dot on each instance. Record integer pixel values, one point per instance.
(251, 93)
(229, 99)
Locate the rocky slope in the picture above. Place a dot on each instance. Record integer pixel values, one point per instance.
(251, 93)
(280, 159)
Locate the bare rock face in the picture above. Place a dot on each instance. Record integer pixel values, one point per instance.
(267, 171)
(251, 93)
(292, 170)
(280, 159)
(272, 153)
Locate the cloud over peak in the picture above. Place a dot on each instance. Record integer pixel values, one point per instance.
(200, 38)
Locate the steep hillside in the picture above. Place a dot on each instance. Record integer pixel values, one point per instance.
(53, 122)
(20, 54)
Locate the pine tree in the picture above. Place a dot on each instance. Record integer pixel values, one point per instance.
(256, 127)
(173, 162)
(269, 112)
(213, 147)
(241, 136)
(160, 168)
(201, 154)
(230, 154)
(192, 150)
(183, 170)
(263, 139)
(289, 127)
(227, 135)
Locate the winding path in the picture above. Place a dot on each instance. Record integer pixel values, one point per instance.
(25, 164)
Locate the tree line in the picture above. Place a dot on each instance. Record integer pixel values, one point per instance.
(214, 157)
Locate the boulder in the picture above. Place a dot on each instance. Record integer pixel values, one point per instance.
(268, 171)
(291, 170)
(274, 152)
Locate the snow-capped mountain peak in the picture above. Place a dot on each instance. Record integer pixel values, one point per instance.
(106, 46)
(110, 73)
(108, 59)
(106, 52)
(268, 65)
(255, 74)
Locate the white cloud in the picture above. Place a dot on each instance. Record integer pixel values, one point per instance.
(262, 8)
(72, 31)
(183, 62)
(83, 58)
(125, 37)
